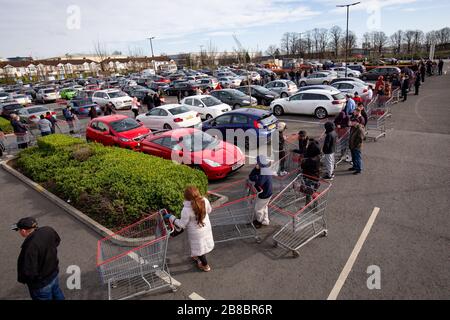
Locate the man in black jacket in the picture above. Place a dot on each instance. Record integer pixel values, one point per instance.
(261, 175)
(329, 149)
(148, 101)
(38, 264)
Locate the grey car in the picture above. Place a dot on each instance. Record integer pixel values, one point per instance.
(234, 98)
(284, 88)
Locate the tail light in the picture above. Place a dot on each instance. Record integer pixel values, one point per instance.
(257, 125)
(337, 102)
(81, 110)
(198, 115)
(365, 90)
(53, 113)
(178, 120)
(32, 117)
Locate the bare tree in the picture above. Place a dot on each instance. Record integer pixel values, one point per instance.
(409, 38)
(271, 50)
(396, 41)
(211, 54)
(352, 40)
(418, 40)
(379, 40)
(286, 43)
(335, 34)
(443, 36)
(101, 53)
(430, 39)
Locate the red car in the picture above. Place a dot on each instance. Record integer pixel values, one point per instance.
(159, 79)
(116, 130)
(216, 158)
(92, 87)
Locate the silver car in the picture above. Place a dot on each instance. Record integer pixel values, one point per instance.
(284, 88)
(31, 115)
(324, 78)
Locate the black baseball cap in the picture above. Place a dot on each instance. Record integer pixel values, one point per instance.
(25, 223)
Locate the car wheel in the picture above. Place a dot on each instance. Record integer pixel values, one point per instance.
(209, 117)
(321, 113)
(167, 127)
(197, 167)
(264, 102)
(325, 83)
(278, 110)
(284, 95)
(236, 106)
(351, 75)
(113, 107)
(364, 78)
(186, 93)
(303, 84)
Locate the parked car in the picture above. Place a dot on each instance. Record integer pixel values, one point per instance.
(284, 88)
(234, 98)
(68, 93)
(351, 87)
(116, 130)
(84, 94)
(317, 87)
(23, 99)
(140, 93)
(186, 89)
(81, 107)
(263, 95)
(358, 67)
(92, 87)
(347, 72)
(256, 123)
(119, 99)
(216, 158)
(322, 77)
(47, 95)
(348, 79)
(229, 82)
(8, 108)
(4, 96)
(207, 83)
(320, 103)
(374, 74)
(157, 86)
(207, 106)
(170, 116)
(31, 115)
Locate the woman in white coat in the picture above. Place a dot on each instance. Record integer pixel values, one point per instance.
(195, 219)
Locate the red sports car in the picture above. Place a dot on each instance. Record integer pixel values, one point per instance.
(217, 159)
(116, 130)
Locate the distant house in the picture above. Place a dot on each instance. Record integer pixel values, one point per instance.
(134, 64)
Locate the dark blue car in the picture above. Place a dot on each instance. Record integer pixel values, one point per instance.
(255, 123)
(81, 107)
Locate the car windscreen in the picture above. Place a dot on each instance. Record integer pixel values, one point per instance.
(238, 93)
(199, 141)
(37, 110)
(211, 101)
(178, 110)
(339, 96)
(291, 84)
(124, 125)
(263, 90)
(49, 91)
(117, 94)
(13, 107)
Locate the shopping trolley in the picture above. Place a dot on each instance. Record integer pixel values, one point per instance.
(300, 209)
(376, 125)
(132, 261)
(234, 219)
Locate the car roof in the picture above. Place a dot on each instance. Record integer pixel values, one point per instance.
(350, 82)
(321, 91)
(199, 96)
(250, 112)
(35, 106)
(170, 106)
(176, 133)
(109, 90)
(112, 118)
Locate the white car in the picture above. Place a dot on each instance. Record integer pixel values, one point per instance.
(351, 87)
(350, 73)
(47, 95)
(119, 99)
(31, 115)
(229, 82)
(253, 76)
(284, 88)
(320, 103)
(23, 99)
(170, 116)
(207, 106)
(324, 78)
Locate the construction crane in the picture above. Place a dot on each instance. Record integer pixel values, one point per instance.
(243, 51)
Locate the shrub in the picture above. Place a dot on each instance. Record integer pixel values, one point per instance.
(116, 187)
(5, 125)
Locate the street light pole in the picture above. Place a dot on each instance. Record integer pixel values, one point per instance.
(346, 40)
(153, 55)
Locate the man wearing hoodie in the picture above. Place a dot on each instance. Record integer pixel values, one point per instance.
(356, 140)
(329, 149)
(261, 175)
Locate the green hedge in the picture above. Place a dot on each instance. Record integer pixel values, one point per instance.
(5, 125)
(116, 187)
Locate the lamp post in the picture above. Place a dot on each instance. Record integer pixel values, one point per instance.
(153, 55)
(346, 40)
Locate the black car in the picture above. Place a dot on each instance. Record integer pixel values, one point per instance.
(357, 67)
(9, 108)
(156, 86)
(186, 89)
(374, 74)
(263, 95)
(140, 93)
(234, 98)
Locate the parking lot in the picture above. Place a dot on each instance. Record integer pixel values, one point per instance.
(406, 177)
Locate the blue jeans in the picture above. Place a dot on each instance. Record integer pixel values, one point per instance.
(50, 292)
(357, 160)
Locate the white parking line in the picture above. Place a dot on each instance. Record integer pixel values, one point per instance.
(196, 296)
(351, 260)
(301, 121)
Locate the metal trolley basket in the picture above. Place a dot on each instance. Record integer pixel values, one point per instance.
(234, 219)
(301, 208)
(132, 261)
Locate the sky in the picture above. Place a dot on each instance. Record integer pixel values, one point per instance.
(48, 28)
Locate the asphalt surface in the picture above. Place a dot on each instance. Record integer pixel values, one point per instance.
(406, 176)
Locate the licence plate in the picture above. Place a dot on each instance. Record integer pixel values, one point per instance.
(272, 126)
(189, 117)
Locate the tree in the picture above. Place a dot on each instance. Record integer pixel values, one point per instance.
(335, 34)
(286, 43)
(272, 50)
(379, 40)
(101, 53)
(352, 40)
(409, 38)
(430, 39)
(443, 36)
(418, 40)
(396, 41)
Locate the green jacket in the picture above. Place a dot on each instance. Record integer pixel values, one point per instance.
(357, 135)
